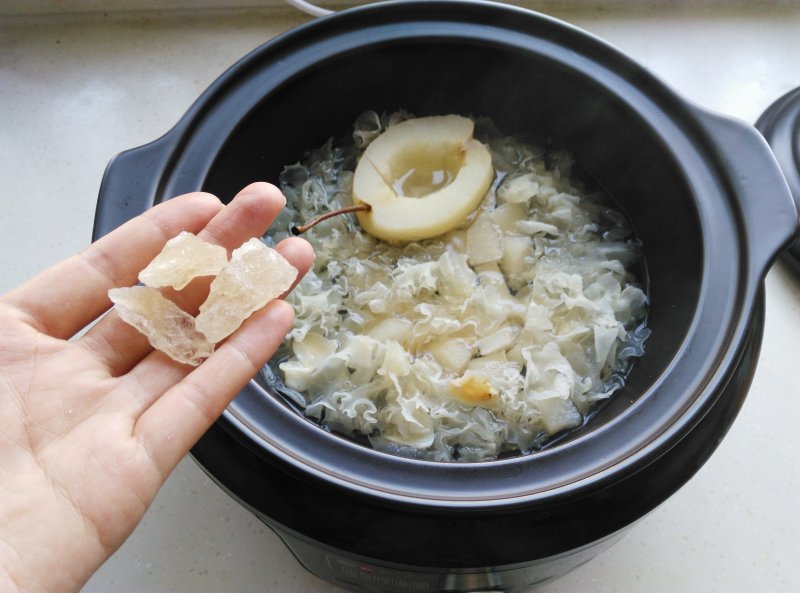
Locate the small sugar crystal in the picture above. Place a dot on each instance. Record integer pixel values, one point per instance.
(255, 275)
(184, 258)
(167, 327)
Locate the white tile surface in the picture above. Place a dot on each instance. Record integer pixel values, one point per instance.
(61, 7)
(75, 91)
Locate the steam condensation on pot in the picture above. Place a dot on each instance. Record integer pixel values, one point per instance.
(489, 339)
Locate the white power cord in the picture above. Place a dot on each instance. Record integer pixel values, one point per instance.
(312, 9)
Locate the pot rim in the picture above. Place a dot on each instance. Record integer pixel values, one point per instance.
(683, 393)
(630, 441)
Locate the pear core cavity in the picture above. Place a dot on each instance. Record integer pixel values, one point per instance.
(422, 177)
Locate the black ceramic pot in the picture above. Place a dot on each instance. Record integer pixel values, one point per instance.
(704, 193)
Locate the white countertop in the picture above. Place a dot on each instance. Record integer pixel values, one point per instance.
(76, 90)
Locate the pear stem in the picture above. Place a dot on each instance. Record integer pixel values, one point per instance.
(299, 229)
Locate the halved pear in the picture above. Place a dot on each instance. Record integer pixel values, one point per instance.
(422, 177)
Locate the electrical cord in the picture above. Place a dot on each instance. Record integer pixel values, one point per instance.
(312, 9)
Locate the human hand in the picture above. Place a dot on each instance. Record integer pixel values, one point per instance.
(91, 428)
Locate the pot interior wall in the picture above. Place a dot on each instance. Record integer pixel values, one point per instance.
(523, 94)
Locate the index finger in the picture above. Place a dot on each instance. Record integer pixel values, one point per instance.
(68, 296)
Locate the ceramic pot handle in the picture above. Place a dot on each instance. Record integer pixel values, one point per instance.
(130, 184)
(768, 209)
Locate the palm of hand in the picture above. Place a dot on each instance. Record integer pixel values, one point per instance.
(90, 428)
(74, 471)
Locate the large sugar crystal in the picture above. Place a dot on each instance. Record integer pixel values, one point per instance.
(184, 258)
(255, 275)
(167, 327)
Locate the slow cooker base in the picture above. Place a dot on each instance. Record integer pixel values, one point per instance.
(364, 575)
